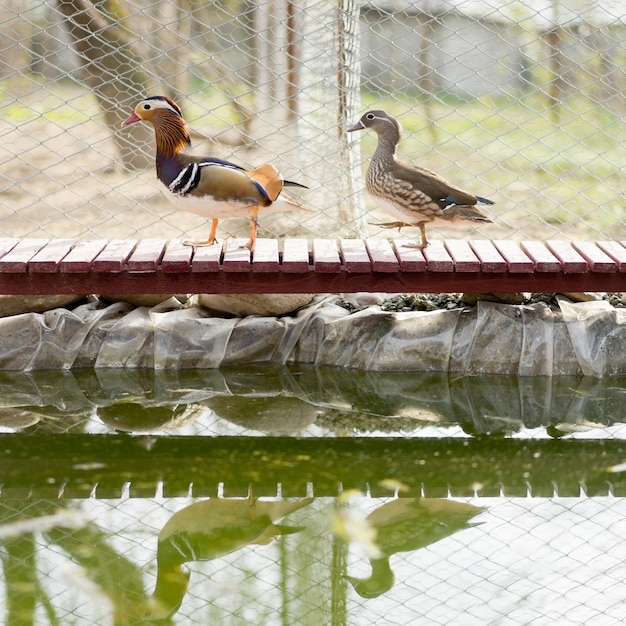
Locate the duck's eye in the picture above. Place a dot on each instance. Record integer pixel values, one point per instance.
(370, 116)
(146, 107)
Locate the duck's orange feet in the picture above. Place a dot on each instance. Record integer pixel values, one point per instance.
(253, 226)
(209, 242)
(200, 244)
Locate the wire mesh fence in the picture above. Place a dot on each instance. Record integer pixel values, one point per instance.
(519, 103)
(142, 552)
(507, 562)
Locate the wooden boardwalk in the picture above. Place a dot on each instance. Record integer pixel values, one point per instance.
(71, 266)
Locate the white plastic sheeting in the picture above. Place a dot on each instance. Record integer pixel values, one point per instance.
(574, 338)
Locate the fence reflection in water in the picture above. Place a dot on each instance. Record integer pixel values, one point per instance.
(228, 561)
(405, 497)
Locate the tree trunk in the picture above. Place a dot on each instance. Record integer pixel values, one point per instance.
(113, 71)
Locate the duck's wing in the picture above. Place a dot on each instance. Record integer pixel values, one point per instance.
(222, 181)
(436, 187)
(202, 176)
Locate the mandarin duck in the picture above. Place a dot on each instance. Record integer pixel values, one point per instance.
(406, 525)
(412, 194)
(209, 530)
(208, 186)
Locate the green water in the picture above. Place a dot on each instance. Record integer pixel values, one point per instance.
(302, 495)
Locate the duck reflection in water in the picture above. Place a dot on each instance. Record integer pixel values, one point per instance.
(404, 525)
(209, 530)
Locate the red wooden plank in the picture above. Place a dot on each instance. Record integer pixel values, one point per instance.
(265, 256)
(491, 260)
(207, 258)
(599, 261)
(411, 258)
(48, 259)
(616, 250)
(355, 256)
(464, 258)
(146, 256)
(7, 245)
(570, 260)
(114, 256)
(438, 258)
(310, 282)
(236, 257)
(17, 259)
(110, 273)
(177, 257)
(82, 255)
(325, 256)
(295, 256)
(383, 257)
(543, 259)
(517, 261)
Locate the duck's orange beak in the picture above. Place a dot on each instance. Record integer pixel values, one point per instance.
(131, 119)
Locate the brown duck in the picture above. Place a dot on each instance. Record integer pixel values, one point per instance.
(412, 194)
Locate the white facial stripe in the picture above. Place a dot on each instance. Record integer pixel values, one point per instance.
(160, 104)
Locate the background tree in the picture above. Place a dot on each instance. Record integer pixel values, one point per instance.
(113, 71)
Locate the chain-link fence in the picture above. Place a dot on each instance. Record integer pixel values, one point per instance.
(517, 561)
(522, 103)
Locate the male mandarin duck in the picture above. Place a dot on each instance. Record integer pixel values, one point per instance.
(412, 194)
(209, 530)
(208, 186)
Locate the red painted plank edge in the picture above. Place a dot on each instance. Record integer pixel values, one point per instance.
(146, 256)
(570, 260)
(6, 245)
(598, 260)
(491, 261)
(411, 258)
(616, 250)
(326, 256)
(236, 257)
(114, 256)
(518, 262)
(543, 259)
(82, 256)
(177, 257)
(16, 260)
(463, 256)
(438, 258)
(50, 256)
(383, 257)
(207, 258)
(295, 256)
(355, 256)
(265, 256)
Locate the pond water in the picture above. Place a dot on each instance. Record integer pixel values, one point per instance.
(302, 495)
